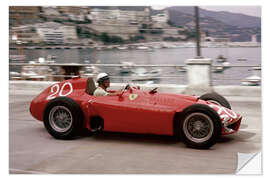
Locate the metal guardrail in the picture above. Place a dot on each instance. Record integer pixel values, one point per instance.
(97, 65)
(120, 65)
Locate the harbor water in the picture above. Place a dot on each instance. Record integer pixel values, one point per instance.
(177, 56)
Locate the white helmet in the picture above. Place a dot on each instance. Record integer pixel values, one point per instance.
(102, 77)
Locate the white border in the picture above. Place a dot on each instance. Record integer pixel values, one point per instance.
(265, 71)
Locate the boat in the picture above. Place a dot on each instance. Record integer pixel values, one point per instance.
(34, 72)
(16, 58)
(146, 48)
(99, 48)
(126, 67)
(51, 57)
(90, 71)
(158, 46)
(253, 80)
(142, 74)
(218, 69)
(48, 60)
(226, 64)
(189, 45)
(14, 75)
(31, 72)
(142, 48)
(168, 45)
(221, 58)
(242, 59)
(257, 68)
(122, 47)
(181, 69)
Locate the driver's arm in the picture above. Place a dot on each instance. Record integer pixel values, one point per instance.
(112, 93)
(115, 93)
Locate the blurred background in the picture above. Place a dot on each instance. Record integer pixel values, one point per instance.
(133, 43)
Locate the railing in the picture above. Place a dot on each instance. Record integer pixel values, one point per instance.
(97, 65)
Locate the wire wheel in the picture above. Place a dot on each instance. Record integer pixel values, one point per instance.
(60, 119)
(198, 127)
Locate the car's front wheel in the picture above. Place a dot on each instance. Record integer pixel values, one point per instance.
(200, 127)
(63, 118)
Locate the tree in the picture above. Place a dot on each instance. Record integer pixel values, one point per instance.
(144, 28)
(78, 30)
(157, 31)
(136, 38)
(169, 22)
(170, 38)
(58, 21)
(116, 39)
(105, 38)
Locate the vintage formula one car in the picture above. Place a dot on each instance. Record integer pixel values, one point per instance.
(68, 107)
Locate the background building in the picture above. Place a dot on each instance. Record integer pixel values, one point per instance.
(24, 34)
(19, 15)
(56, 33)
(161, 19)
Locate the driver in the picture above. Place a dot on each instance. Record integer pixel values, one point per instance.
(103, 81)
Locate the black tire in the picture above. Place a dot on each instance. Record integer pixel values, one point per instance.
(206, 120)
(216, 99)
(63, 118)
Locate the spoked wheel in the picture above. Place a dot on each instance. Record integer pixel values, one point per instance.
(60, 118)
(63, 118)
(200, 126)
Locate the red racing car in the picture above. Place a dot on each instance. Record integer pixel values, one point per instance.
(68, 107)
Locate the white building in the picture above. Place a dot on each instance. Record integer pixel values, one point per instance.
(116, 22)
(50, 10)
(117, 16)
(76, 17)
(52, 32)
(24, 34)
(161, 18)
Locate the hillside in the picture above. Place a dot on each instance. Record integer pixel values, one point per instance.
(234, 19)
(238, 27)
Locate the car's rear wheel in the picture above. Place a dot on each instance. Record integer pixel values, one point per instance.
(216, 99)
(63, 118)
(200, 127)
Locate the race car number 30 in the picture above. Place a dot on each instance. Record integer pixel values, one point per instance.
(56, 90)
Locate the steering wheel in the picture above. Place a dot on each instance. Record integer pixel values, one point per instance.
(153, 91)
(132, 86)
(127, 87)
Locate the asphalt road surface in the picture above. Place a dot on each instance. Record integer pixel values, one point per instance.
(33, 151)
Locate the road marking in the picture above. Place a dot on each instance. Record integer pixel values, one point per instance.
(25, 171)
